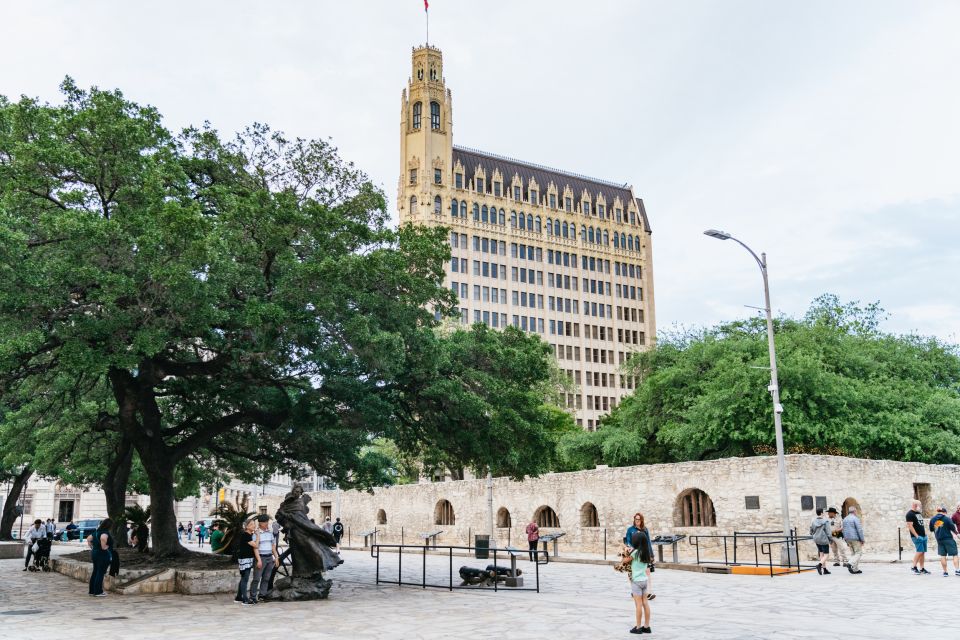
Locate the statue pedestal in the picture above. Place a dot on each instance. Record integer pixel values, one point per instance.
(315, 587)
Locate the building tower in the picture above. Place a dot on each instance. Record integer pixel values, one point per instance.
(552, 252)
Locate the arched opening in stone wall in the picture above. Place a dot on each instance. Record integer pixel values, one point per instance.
(845, 508)
(381, 516)
(503, 518)
(589, 516)
(546, 517)
(694, 508)
(443, 513)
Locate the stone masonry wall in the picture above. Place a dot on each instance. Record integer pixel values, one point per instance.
(882, 489)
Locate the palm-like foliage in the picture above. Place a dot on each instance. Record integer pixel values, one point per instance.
(138, 518)
(231, 519)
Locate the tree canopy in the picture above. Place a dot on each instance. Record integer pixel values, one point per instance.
(237, 306)
(847, 389)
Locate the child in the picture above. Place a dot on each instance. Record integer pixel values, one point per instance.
(638, 580)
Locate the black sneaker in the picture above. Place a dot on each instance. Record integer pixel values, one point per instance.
(850, 569)
(645, 630)
(915, 571)
(836, 564)
(636, 630)
(246, 604)
(819, 568)
(924, 571)
(825, 572)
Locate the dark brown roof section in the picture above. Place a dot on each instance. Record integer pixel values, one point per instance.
(471, 158)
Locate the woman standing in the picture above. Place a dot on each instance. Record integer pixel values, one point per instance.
(640, 580)
(639, 526)
(244, 546)
(533, 536)
(101, 552)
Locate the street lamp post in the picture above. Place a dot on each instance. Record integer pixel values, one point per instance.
(774, 389)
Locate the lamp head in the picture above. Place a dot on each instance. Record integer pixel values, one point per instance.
(719, 235)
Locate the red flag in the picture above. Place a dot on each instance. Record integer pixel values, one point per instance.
(426, 5)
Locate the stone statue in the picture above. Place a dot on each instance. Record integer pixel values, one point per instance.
(311, 548)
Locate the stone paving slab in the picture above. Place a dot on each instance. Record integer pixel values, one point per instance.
(577, 602)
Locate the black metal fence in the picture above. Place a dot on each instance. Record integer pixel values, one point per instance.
(540, 557)
(762, 544)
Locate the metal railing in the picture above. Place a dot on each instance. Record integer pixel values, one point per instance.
(761, 542)
(422, 550)
(779, 570)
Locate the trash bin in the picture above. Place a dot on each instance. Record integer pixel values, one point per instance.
(481, 545)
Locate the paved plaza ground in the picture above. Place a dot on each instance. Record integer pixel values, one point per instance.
(577, 601)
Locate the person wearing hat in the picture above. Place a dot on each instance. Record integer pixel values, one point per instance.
(838, 549)
(266, 556)
(944, 530)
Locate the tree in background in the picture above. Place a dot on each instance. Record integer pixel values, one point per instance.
(244, 302)
(847, 389)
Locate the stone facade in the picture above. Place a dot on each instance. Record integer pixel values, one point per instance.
(882, 489)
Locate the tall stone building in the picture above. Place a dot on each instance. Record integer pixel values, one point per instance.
(555, 253)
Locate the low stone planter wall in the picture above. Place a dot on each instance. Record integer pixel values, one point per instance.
(141, 581)
(10, 550)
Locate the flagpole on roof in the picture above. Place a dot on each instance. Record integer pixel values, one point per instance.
(426, 13)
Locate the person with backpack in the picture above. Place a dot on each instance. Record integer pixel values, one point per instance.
(641, 558)
(944, 530)
(201, 534)
(821, 530)
(338, 532)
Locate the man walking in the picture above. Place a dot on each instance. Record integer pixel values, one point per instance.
(265, 558)
(37, 532)
(837, 548)
(943, 530)
(51, 528)
(853, 536)
(918, 535)
(338, 532)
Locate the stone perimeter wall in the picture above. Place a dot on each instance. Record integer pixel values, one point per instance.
(882, 488)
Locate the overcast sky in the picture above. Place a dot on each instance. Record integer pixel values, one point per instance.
(824, 133)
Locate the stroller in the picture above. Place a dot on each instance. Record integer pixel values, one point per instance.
(41, 558)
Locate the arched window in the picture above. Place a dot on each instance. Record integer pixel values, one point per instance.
(484, 214)
(417, 109)
(606, 237)
(463, 209)
(588, 515)
(583, 233)
(522, 221)
(536, 221)
(503, 518)
(565, 230)
(381, 516)
(694, 508)
(437, 205)
(546, 517)
(549, 227)
(443, 513)
(503, 218)
(476, 212)
(630, 243)
(530, 222)
(434, 115)
(845, 508)
(556, 228)
(590, 235)
(616, 240)
(413, 205)
(454, 208)
(513, 219)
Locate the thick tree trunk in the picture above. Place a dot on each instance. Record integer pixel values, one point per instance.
(163, 520)
(13, 501)
(115, 490)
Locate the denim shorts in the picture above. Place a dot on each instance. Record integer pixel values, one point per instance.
(920, 544)
(638, 588)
